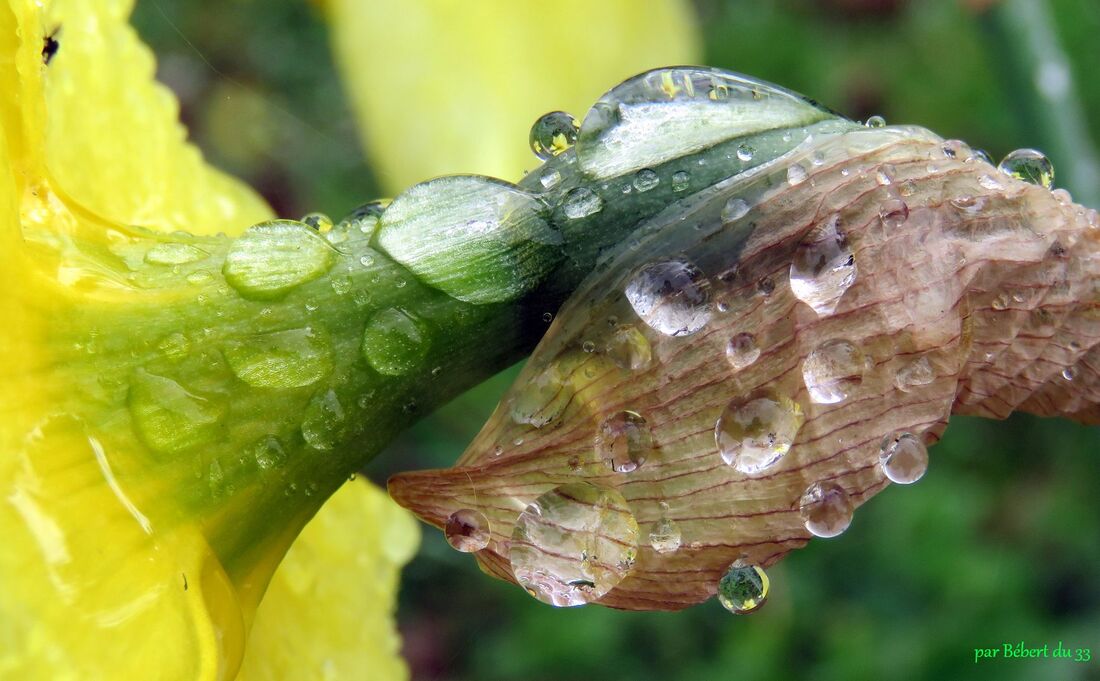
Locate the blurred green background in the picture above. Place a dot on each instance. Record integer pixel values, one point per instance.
(1000, 542)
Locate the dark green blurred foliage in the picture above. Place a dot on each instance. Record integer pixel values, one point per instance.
(998, 543)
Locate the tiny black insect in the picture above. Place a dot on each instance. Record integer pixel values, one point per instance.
(50, 46)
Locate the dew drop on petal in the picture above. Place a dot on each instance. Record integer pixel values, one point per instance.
(875, 122)
(823, 267)
(741, 351)
(542, 399)
(826, 509)
(680, 180)
(753, 434)
(318, 221)
(671, 296)
(580, 202)
(550, 179)
(272, 258)
(1028, 165)
(904, 458)
(553, 133)
(665, 535)
(914, 374)
(628, 348)
(467, 530)
(395, 342)
(991, 183)
(323, 420)
(735, 209)
(573, 544)
(744, 153)
(796, 175)
(645, 179)
(171, 253)
(743, 588)
(833, 370)
(624, 441)
(893, 213)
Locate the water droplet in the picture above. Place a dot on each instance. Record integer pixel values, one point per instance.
(1062, 196)
(671, 296)
(588, 346)
(989, 182)
(272, 258)
(553, 133)
(467, 530)
(744, 153)
(628, 348)
(968, 205)
(547, 317)
(672, 112)
(665, 536)
(175, 346)
(832, 371)
(753, 434)
(680, 180)
(817, 159)
(341, 285)
(475, 238)
(363, 218)
(955, 149)
(914, 374)
(743, 588)
(198, 278)
(581, 202)
(826, 509)
(323, 420)
(268, 453)
(395, 342)
(823, 267)
(904, 458)
(765, 286)
(168, 418)
(283, 359)
(1028, 165)
(796, 175)
(876, 122)
(885, 173)
(735, 209)
(742, 351)
(550, 179)
(541, 399)
(574, 544)
(318, 221)
(366, 260)
(893, 213)
(174, 254)
(1069, 373)
(645, 179)
(624, 441)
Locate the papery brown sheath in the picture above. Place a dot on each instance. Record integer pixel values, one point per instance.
(926, 281)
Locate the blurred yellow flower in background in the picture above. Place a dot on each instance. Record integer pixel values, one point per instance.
(105, 573)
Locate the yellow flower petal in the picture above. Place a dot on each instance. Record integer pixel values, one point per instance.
(327, 612)
(442, 86)
(108, 570)
(112, 139)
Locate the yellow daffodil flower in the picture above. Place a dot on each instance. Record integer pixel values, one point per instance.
(147, 502)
